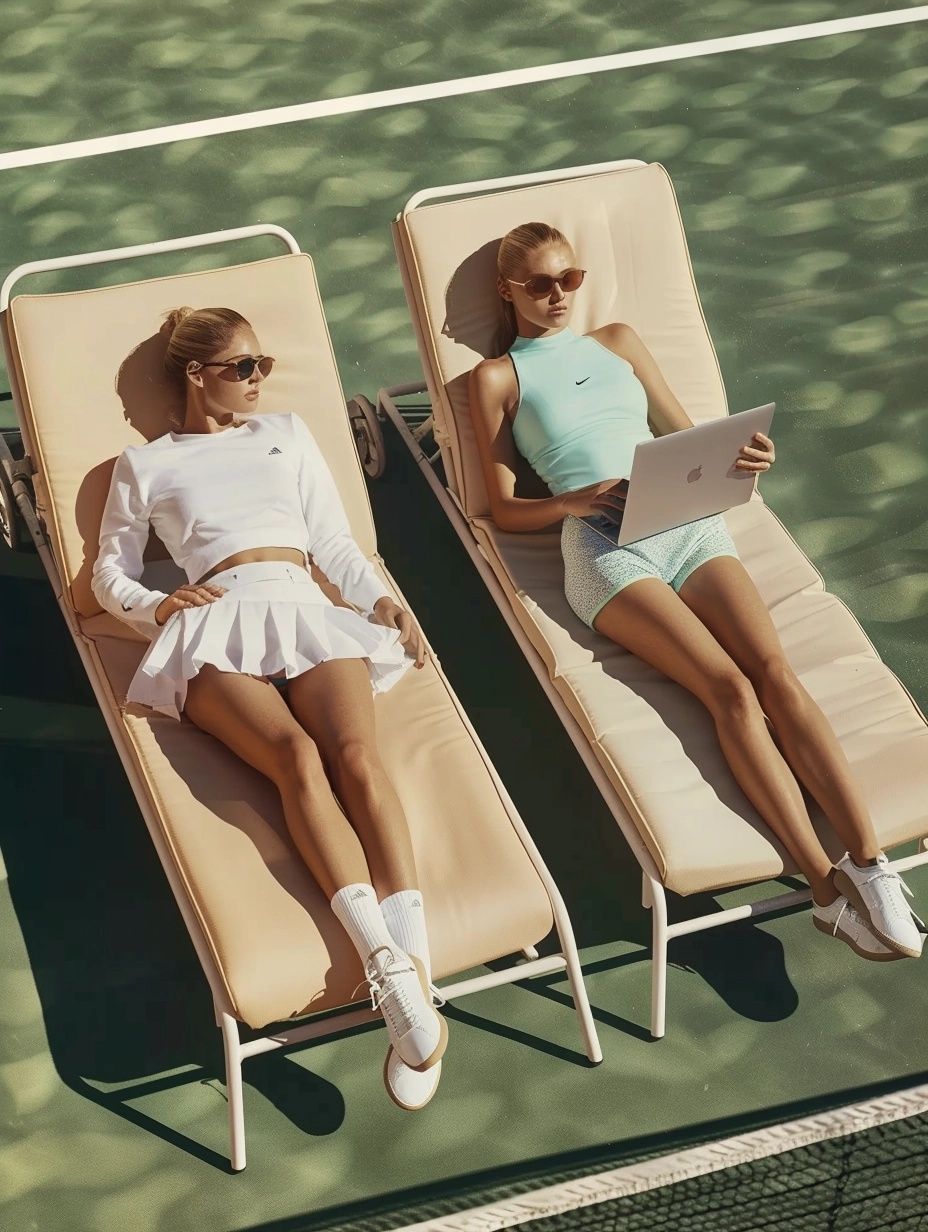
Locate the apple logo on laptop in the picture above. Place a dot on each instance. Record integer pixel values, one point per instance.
(695, 473)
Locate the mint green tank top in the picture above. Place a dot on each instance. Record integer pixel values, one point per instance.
(581, 410)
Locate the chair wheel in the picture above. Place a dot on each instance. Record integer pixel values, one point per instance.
(11, 528)
(368, 436)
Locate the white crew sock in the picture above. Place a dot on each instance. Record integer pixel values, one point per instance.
(405, 918)
(358, 911)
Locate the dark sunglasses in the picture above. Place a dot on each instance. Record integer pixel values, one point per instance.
(241, 369)
(540, 285)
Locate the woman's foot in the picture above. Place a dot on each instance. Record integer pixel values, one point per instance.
(839, 919)
(879, 894)
(410, 1089)
(399, 989)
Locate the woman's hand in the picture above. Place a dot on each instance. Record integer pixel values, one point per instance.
(189, 595)
(388, 613)
(759, 456)
(606, 497)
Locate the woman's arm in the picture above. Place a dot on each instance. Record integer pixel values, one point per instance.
(665, 412)
(334, 553)
(493, 393)
(330, 542)
(123, 536)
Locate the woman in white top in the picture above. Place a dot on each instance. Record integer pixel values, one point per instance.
(246, 505)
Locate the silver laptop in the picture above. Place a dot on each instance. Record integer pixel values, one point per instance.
(686, 475)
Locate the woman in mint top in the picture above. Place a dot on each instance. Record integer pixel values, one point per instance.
(575, 407)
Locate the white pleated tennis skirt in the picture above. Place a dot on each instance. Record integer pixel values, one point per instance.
(272, 620)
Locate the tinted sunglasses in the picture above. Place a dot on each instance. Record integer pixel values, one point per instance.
(540, 285)
(241, 369)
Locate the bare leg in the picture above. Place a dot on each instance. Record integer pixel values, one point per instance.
(724, 597)
(250, 717)
(335, 705)
(652, 622)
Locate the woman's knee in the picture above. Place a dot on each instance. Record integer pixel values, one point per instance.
(731, 695)
(778, 686)
(356, 761)
(295, 759)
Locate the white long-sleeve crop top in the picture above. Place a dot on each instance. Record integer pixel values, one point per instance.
(210, 495)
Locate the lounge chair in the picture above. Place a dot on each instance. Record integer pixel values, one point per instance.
(650, 746)
(87, 380)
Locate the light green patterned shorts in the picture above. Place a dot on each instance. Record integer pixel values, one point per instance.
(596, 570)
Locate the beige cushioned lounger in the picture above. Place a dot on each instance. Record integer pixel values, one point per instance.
(87, 368)
(654, 748)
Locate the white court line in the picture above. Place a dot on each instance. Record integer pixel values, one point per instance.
(406, 95)
(683, 1165)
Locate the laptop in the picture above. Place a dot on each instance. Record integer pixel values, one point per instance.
(684, 476)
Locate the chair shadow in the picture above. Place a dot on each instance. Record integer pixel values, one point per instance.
(123, 996)
(746, 968)
(310, 1102)
(742, 963)
(544, 986)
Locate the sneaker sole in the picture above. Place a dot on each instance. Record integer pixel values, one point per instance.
(893, 956)
(396, 1099)
(846, 886)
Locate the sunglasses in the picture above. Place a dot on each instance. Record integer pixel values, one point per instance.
(540, 285)
(240, 369)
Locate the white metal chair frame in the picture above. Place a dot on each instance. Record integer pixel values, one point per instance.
(566, 959)
(653, 894)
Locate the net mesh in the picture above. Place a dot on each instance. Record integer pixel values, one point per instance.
(872, 1181)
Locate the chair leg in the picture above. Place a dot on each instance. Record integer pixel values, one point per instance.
(529, 953)
(658, 904)
(231, 1046)
(582, 1005)
(568, 944)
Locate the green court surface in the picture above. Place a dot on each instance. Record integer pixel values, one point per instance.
(802, 176)
(84, 68)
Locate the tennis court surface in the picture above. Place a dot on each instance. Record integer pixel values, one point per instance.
(801, 167)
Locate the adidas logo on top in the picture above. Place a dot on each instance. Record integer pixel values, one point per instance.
(274, 450)
(357, 893)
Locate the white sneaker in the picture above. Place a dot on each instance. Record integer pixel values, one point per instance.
(880, 894)
(409, 1088)
(400, 991)
(839, 919)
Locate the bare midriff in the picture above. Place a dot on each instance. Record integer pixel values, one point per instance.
(252, 556)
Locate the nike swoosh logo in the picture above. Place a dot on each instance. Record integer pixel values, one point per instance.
(586, 378)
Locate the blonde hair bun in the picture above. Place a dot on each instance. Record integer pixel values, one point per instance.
(197, 335)
(173, 318)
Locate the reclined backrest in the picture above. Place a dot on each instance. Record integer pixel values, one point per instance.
(91, 382)
(626, 231)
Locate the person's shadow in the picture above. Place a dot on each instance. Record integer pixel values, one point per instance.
(153, 405)
(475, 318)
(474, 314)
